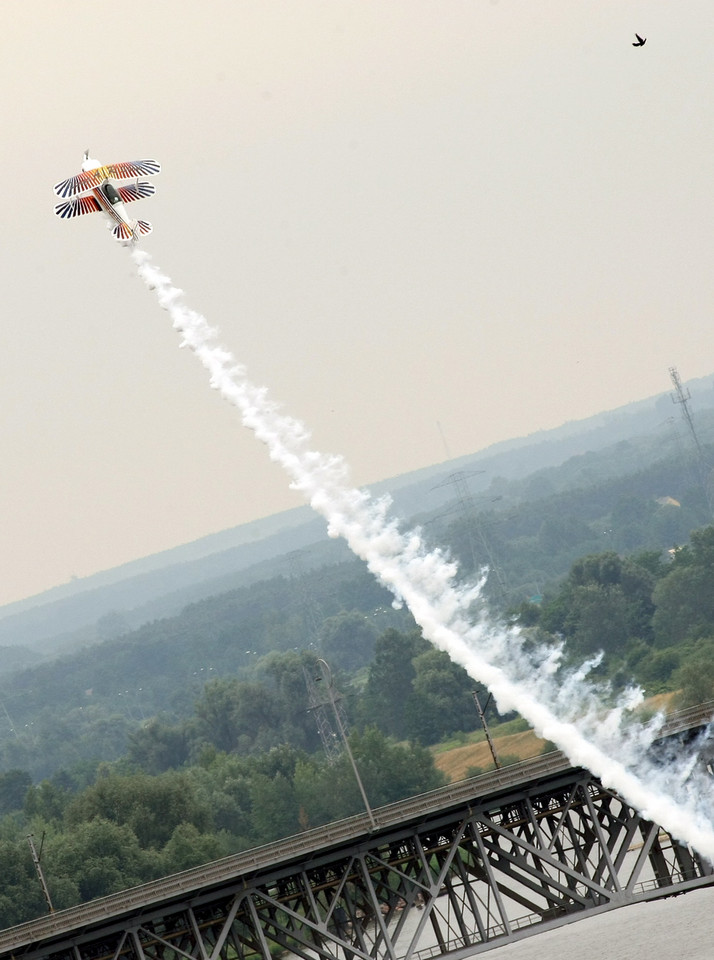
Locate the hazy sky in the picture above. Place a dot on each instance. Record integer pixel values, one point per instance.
(493, 216)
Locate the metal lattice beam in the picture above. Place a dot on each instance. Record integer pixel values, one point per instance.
(456, 881)
(458, 871)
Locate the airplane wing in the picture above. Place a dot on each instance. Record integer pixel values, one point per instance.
(76, 206)
(89, 179)
(136, 191)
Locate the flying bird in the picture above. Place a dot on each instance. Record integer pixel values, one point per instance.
(640, 41)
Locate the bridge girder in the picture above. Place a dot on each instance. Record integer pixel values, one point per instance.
(457, 881)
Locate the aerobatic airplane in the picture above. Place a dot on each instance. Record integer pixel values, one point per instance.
(92, 191)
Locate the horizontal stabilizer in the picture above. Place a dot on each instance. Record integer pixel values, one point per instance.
(136, 191)
(89, 179)
(122, 231)
(77, 206)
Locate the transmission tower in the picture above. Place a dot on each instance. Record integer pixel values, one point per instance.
(334, 699)
(311, 610)
(681, 397)
(469, 516)
(325, 709)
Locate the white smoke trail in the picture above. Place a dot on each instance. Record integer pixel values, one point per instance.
(569, 713)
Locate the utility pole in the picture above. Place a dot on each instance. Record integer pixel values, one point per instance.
(482, 715)
(38, 868)
(326, 676)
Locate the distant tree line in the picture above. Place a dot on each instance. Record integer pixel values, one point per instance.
(652, 617)
(530, 532)
(130, 826)
(246, 767)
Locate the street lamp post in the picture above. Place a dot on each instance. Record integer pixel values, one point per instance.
(327, 677)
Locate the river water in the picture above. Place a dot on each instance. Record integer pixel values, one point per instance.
(679, 928)
(676, 928)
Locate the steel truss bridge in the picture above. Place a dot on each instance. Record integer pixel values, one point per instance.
(457, 871)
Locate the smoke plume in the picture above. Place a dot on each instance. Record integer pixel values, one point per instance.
(568, 710)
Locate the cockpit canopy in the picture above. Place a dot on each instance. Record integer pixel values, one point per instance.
(110, 192)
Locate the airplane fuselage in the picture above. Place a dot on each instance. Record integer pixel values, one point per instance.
(109, 200)
(112, 205)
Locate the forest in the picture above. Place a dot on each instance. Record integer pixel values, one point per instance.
(196, 736)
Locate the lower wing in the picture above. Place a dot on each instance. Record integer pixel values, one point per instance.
(76, 206)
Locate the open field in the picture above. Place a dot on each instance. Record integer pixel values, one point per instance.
(457, 761)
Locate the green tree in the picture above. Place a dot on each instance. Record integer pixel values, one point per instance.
(695, 677)
(318, 793)
(560, 533)
(441, 701)
(684, 602)
(47, 801)
(223, 783)
(99, 857)
(348, 640)
(188, 847)
(284, 674)
(389, 771)
(597, 620)
(390, 679)
(158, 746)
(655, 670)
(630, 518)
(13, 789)
(238, 715)
(21, 896)
(152, 807)
(392, 771)
(605, 602)
(274, 808)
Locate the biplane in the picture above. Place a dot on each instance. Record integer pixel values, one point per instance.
(94, 191)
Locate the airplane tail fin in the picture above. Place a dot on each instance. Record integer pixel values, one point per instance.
(124, 232)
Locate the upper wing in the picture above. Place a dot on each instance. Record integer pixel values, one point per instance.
(77, 206)
(136, 191)
(89, 179)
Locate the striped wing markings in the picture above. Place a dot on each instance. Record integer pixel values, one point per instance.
(122, 231)
(76, 206)
(89, 179)
(136, 191)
